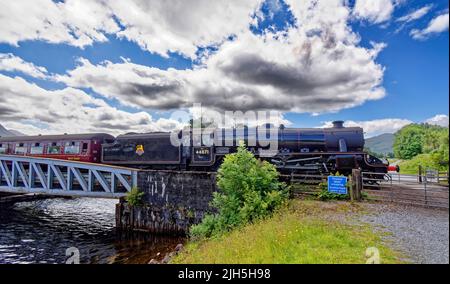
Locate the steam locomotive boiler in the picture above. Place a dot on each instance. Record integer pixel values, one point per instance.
(298, 150)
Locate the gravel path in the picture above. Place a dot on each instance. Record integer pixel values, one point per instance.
(420, 233)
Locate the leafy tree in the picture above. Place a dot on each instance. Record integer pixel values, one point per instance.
(422, 144)
(248, 190)
(442, 151)
(408, 141)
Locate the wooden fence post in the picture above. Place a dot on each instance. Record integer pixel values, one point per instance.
(352, 188)
(355, 189)
(420, 173)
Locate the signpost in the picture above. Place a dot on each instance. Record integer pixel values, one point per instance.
(337, 184)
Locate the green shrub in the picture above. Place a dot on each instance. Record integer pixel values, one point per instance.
(427, 161)
(248, 190)
(134, 197)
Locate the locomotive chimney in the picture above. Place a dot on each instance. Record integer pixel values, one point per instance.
(338, 124)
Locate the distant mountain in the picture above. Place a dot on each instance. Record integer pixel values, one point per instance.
(7, 132)
(16, 133)
(381, 144)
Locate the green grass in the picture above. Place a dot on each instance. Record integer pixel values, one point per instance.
(299, 234)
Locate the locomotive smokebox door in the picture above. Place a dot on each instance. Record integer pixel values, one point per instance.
(202, 155)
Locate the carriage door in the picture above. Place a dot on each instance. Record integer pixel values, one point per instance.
(84, 148)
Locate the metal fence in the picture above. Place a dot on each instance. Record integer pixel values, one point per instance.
(430, 189)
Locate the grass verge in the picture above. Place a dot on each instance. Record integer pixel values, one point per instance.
(304, 232)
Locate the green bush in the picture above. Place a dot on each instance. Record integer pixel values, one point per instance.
(248, 190)
(134, 197)
(427, 161)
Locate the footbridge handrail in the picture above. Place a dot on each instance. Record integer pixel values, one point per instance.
(22, 174)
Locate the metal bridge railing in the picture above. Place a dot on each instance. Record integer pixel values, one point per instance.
(20, 174)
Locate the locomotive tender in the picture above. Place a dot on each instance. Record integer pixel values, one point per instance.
(298, 150)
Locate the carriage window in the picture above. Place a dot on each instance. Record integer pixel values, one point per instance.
(37, 148)
(53, 148)
(21, 148)
(72, 148)
(3, 148)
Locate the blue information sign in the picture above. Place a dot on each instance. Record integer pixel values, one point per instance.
(337, 184)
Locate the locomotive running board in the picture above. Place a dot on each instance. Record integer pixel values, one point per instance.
(303, 160)
(298, 167)
(295, 161)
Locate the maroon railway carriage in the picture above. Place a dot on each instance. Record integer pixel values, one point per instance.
(74, 147)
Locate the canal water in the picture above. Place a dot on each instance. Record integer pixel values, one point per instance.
(49, 231)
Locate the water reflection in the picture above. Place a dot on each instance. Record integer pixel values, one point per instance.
(40, 232)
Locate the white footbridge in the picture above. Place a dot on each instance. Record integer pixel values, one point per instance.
(21, 174)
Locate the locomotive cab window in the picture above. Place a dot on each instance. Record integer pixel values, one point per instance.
(21, 148)
(37, 148)
(53, 148)
(208, 139)
(72, 147)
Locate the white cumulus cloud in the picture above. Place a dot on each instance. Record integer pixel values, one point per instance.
(157, 26)
(75, 22)
(377, 126)
(415, 15)
(316, 66)
(437, 25)
(10, 62)
(439, 119)
(181, 26)
(374, 11)
(32, 110)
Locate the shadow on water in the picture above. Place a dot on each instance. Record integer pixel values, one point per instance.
(41, 231)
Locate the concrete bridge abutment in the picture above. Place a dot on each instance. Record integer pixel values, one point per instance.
(173, 201)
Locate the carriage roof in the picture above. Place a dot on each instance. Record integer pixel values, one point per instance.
(87, 136)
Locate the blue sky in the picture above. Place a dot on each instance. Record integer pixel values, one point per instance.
(407, 80)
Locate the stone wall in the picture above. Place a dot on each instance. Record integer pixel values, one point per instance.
(173, 202)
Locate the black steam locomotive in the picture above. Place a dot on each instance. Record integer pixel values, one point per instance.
(298, 150)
